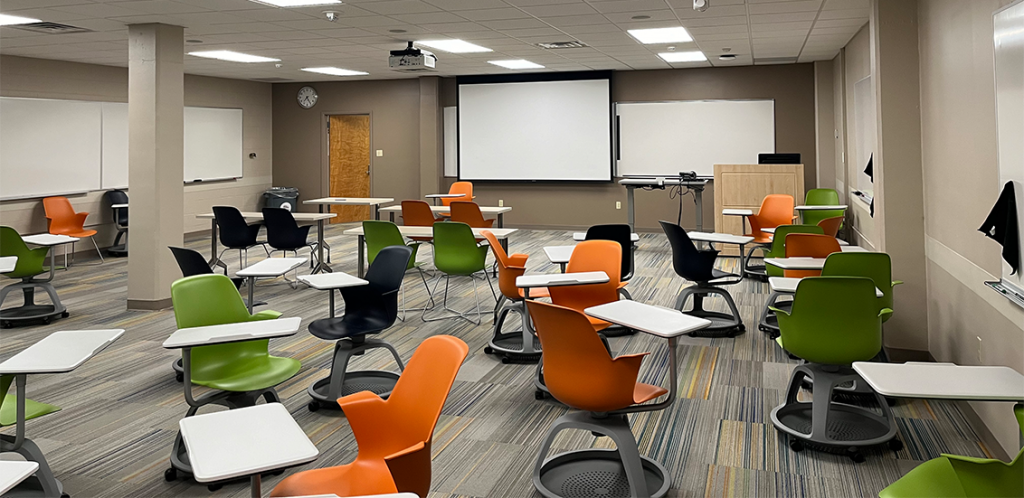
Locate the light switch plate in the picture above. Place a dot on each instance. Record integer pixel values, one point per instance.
(618, 204)
(501, 202)
(380, 153)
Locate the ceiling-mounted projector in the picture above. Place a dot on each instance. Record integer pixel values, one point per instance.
(412, 59)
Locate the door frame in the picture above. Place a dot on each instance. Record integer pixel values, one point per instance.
(325, 148)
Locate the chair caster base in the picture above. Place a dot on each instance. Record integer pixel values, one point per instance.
(538, 394)
(313, 405)
(796, 445)
(379, 382)
(510, 346)
(23, 315)
(895, 444)
(171, 474)
(596, 472)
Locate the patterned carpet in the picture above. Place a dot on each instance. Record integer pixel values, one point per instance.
(120, 410)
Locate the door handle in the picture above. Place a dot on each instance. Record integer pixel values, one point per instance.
(367, 170)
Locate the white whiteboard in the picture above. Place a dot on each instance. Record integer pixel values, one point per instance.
(48, 147)
(1009, 68)
(213, 143)
(451, 142)
(865, 131)
(115, 145)
(664, 138)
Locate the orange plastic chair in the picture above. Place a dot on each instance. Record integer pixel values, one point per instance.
(65, 221)
(809, 245)
(394, 435)
(831, 225)
(591, 255)
(776, 209)
(511, 300)
(469, 213)
(464, 188)
(418, 214)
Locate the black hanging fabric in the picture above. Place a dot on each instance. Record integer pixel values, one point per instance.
(870, 171)
(1001, 226)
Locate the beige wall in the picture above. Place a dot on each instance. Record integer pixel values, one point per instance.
(857, 66)
(968, 323)
(824, 122)
(51, 79)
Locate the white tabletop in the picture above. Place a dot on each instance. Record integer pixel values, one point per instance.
(49, 239)
(13, 472)
(244, 441)
(397, 208)
(830, 207)
(559, 254)
(8, 263)
(328, 281)
(663, 180)
(769, 230)
(843, 248)
(232, 332)
(561, 279)
(499, 233)
(350, 201)
(253, 215)
(60, 352)
(737, 212)
(942, 381)
(721, 238)
(788, 285)
(583, 236)
(796, 263)
(655, 320)
(272, 267)
(443, 196)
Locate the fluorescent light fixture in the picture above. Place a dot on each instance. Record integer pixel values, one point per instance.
(690, 56)
(9, 20)
(297, 3)
(454, 46)
(661, 35)
(334, 71)
(516, 64)
(228, 55)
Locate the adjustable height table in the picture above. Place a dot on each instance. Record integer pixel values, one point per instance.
(270, 267)
(697, 186)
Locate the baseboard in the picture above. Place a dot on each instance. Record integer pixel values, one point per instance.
(149, 305)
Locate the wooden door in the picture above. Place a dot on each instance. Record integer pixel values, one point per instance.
(350, 164)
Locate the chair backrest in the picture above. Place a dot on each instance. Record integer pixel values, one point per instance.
(417, 214)
(591, 255)
(778, 247)
(282, 230)
(468, 212)
(509, 267)
(464, 188)
(118, 197)
(455, 249)
(776, 209)
(30, 261)
(234, 231)
(874, 265)
(381, 234)
(831, 225)
(379, 298)
(820, 197)
(809, 245)
(578, 370)
(190, 262)
(621, 234)
(213, 299)
(834, 321)
(688, 262)
(61, 214)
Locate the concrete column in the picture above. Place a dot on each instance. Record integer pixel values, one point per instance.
(156, 100)
(898, 173)
(824, 129)
(431, 123)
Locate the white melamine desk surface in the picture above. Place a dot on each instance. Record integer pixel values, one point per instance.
(770, 230)
(60, 352)
(350, 201)
(411, 231)
(738, 212)
(657, 181)
(444, 209)
(942, 381)
(830, 207)
(244, 441)
(328, 281)
(788, 285)
(232, 332)
(12, 472)
(559, 254)
(253, 215)
(8, 263)
(272, 267)
(655, 320)
(580, 236)
(843, 248)
(561, 279)
(443, 196)
(49, 239)
(721, 238)
(796, 263)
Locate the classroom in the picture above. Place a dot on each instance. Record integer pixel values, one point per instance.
(511, 248)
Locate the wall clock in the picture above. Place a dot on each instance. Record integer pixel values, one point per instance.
(307, 97)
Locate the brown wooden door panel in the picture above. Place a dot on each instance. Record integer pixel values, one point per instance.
(350, 164)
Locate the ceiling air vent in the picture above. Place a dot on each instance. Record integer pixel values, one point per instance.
(559, 45)
(51, 28)
(762, 61)
(272, 80)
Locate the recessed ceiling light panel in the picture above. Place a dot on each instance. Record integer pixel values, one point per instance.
(297, 3)
(516, 64)
(334, 71)
(229, 55)
(689, 56)
(661, 35)
(9, 20)
(454, 46)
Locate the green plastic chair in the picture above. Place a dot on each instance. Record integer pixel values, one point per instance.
(958, 476)
(457, 253)
(29, 266)
(30, 261)
(874, 265)
(9, 405)
(381, 234)
(18, 443)
(820, 197)
(778, 247)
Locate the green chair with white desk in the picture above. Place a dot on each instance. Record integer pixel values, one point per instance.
(26, 448)
(820, 197)
(29, 266)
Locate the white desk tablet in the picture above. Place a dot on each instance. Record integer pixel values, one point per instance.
(60, 352)
(257, 215)
(942, 381)
(843, 248)
(328, 281)
(49, 239)
(770, 230)
(788, 285)
(271, 267)
(8, 263)
(737, 212)
(397, 208)
(232, 332)
(443, 196)
(578, 236)
(796, 263)
(12, 472)
(720, 238)
(559, 255)
(830, 207)
(350, 201)
(411, 231)
(654, 320)
(561, 279)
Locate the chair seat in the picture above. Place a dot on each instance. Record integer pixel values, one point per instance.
(359, 478)
(74, 233)
(350, 325)
(33, 409)
(259, 373)
(763, 239)
(934, 477)
(646, 392)
(536, 292)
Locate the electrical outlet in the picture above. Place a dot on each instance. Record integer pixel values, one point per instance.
(501, 202)
(380, 153)
(618, 204)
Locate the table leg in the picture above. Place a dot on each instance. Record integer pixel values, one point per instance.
(255, 486)
(501, 220)
(359, 254)
(321, 266)
(562, 266)
(698, 200)
(250, 282)
(330, 301)
(630, 214)
(376, 212)
(214, 260)
(392, 215)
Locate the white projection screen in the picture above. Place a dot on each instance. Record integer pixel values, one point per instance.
(535, 130)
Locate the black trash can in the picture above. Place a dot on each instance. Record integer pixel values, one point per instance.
(281, 197)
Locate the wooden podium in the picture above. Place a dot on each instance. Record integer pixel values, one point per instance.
(744, 186)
